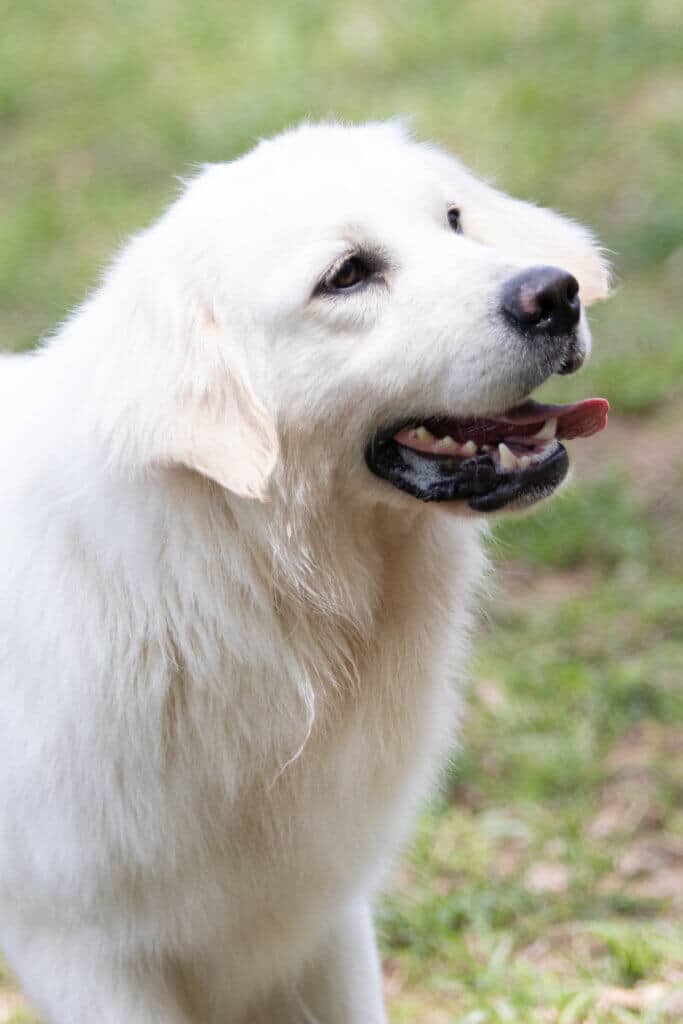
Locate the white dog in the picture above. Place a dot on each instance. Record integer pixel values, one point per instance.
(230, 631)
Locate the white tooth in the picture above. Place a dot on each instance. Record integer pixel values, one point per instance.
(508, 459)
(447, 444)
(468, 448)
(524, 461)
(486, 447)
(422, 434)
(547, 431)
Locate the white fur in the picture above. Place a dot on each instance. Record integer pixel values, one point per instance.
(229, 656)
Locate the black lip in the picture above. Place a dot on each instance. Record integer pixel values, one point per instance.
(475, 480)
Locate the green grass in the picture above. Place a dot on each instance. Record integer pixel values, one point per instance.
(517, 898)
(102, 105)
(598, 523)
(544, 883)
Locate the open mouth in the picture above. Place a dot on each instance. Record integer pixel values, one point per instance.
(487, 462)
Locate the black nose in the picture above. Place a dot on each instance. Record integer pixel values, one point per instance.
(543, 300)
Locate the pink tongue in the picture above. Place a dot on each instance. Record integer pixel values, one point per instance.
(581, 419)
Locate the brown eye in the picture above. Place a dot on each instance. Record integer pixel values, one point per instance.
(351, 272)
(454, 220)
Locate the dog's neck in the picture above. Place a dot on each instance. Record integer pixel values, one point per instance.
(339, 569)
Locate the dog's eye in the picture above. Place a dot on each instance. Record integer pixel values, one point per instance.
(354, 270)
(454, 220)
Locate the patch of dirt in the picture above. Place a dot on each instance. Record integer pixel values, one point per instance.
(644, 997)
(398, 993)
(649, 452)
(627, 807)
(629, 801)
(652, 868)
(561, 947)
(528, 588)
(656, 99)
(547, 876)
(649, 740)
(650, 865)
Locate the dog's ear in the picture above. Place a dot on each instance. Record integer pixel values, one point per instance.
(215, 423)
(176, 380)
(226, 434)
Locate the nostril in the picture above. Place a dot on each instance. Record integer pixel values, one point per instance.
(543, 300)
(546, 301)
(558, 300)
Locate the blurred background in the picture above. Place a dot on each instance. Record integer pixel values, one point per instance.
(546, 882)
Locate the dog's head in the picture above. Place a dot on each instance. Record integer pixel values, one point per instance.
(362, 304)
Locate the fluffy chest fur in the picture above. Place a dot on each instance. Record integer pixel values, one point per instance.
(239, 749)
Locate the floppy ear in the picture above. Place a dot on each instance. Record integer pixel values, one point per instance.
(173, 384)
(226, 435)
(216, 424)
